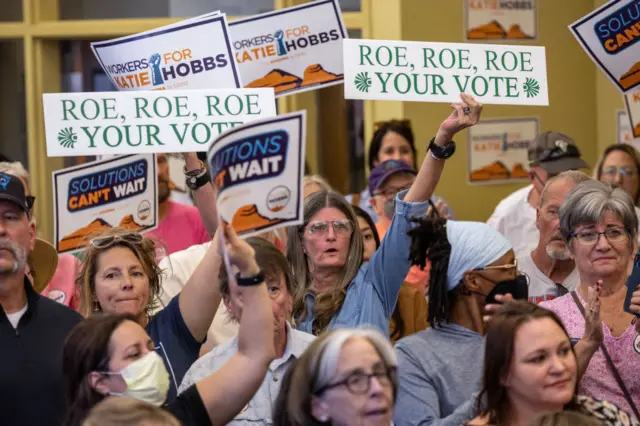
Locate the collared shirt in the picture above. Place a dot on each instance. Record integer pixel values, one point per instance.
(259, 409)
(541, 287)
(372, 295)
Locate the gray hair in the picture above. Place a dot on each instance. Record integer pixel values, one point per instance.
(589, 201)
(325, 360)
(574, 176)
(16, 169)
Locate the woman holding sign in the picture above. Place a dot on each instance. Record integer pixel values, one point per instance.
(325, 252)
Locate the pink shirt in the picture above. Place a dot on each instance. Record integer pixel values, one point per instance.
(181, 228)
(62, 287)
(598, 381)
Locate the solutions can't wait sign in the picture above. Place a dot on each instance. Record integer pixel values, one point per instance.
(439, 72)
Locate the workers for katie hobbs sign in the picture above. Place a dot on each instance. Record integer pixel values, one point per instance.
(439, 72)
(148, 121)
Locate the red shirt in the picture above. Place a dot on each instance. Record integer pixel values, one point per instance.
(181, 228)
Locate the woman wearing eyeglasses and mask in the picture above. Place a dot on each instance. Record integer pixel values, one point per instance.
(347, 377)
(120, 275)
(600, 228)
(439, 369)
(113, 355)
(325, 252)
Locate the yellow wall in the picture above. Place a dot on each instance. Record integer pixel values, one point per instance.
(572, 95)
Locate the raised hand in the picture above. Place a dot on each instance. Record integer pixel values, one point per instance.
(241, 254)
(492, 308)
(155, 59)
(592, 322)
(465, 114)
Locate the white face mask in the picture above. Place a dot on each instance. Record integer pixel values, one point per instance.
(147, 380)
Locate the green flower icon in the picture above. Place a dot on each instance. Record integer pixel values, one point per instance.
(531, 87)
(67, 137)
(363, 82)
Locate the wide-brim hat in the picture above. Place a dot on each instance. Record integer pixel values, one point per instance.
(43, 262)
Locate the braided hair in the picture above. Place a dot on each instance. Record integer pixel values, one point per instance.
(429, 241)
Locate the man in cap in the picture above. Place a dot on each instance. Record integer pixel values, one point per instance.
(515, 217)
(33, 328)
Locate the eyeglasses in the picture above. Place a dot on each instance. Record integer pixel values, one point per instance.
(390, 192)
(342, 228)
(503, 267)
(104, 242)
(359, 382)
(625, 172)
(590, 238)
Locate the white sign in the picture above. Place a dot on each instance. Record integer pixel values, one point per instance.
(610, 36)
(192, 54)
(498, 149)
(292, 50)
(632, 103)
(501, 19)
(92, 198)
(625, 135)
(147, 122)
(257, 170)
(438, 72)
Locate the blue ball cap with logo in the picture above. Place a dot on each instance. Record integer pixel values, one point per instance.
(12, 189)
(382, 171)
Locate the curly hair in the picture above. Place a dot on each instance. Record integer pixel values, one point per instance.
(145, 250)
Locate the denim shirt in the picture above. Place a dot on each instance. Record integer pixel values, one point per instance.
(372, 295)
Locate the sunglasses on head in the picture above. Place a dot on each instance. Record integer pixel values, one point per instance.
(103, 242)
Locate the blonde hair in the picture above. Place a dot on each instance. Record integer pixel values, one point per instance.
(627, 149)
(316, 180)
(117, 410)
(145, 251)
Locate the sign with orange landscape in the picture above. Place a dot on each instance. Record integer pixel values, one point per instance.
(257, 171)
(610, 36)
(439, 72)
(191, 54)
(498, 149)
(632, 103)
(501, 20)
(292, 50)
(623, 127)
(91, 198)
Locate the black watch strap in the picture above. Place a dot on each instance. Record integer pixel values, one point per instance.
(250, 281)
(441, 152)
(196, 181)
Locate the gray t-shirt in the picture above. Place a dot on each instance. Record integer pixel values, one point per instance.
(440, 375)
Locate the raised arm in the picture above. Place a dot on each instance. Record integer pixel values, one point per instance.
(226, 392)
(205, 197)
(200, 297)
(593, 333)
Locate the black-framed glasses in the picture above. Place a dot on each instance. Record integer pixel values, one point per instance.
(591, 237)
(359, 382)
(104, 242)
(390, 193)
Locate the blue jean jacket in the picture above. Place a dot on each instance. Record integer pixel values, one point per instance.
(372, 295)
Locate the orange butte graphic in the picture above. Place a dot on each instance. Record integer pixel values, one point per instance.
(282, 80)
(78, 238)
(315, 74)
(518, 171)
(636, 131)
(493, 171)
(247, 218)
(631, 77)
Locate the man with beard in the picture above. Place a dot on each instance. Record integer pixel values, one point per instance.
(552, 272)
(179, 226)
(33, 328)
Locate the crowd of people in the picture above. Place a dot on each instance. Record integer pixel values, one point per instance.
(379, 308)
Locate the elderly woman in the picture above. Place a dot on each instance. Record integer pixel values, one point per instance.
(325, 252)
(600, 227)
(347, 377)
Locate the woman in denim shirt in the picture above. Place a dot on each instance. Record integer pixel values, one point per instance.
(334, 288)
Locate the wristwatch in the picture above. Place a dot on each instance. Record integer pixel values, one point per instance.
(441, 152)
(197, 178)
(250, 281)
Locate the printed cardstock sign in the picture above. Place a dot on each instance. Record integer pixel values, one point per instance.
(610, 37)
(257, 170)
(438, 72)
(632, 102)
(147, 122)
(192, 54)
(501, 19)
(292, 50)
(498, 149)
(94, 197)
(625, 135)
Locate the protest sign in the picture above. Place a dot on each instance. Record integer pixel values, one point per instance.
(501, 19)
(191, 54)
(609, 35)
(147, 122)
(498, 149)
(257, 171)
(292, 50)
(625, 135)
(632, 103)
(95, 197)
(438, 72)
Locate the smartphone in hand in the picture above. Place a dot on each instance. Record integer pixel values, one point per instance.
(632, 283)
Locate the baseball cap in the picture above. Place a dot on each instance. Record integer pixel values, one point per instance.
(43, 261)
(385, 169)
(12, 189)
(556, 153)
